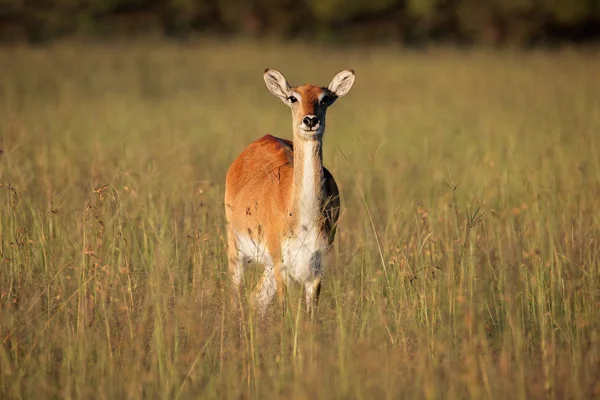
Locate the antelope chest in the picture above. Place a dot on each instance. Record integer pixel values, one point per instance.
(302, 254)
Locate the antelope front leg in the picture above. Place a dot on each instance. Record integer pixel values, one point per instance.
(264, 292)
(279, 281)
(313, 290)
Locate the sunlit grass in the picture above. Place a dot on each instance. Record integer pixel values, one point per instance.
(466, 263)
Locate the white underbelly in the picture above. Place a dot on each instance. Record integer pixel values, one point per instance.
(254, 250)
(303, 256)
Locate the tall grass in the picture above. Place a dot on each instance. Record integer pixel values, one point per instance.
(467, 258)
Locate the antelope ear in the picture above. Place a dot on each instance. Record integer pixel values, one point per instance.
(277, 84)
(342, 82)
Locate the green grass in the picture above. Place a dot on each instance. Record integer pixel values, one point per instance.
(467, 261)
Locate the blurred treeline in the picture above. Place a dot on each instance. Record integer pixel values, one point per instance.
(495, 22)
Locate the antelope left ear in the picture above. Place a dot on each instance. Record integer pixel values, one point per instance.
(342, 82)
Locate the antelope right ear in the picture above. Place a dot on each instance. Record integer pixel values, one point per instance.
(277, 84)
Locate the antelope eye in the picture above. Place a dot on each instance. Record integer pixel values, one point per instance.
(292, 99)
(326, 100)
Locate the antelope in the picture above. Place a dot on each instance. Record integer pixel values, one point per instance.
(281, 203)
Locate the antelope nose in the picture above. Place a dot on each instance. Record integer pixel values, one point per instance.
(311, 121)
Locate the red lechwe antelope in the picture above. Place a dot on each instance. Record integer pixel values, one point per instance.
(281, 204)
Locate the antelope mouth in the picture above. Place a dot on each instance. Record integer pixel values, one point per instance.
(311, 134)
(315, 130)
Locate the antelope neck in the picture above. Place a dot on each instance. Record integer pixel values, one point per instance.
(308, 181)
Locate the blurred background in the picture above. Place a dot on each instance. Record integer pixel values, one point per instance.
(411, 22)
(467, 258)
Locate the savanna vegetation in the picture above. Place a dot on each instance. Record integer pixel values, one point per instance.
(467, 258)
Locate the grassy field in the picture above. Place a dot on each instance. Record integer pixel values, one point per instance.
(467, 261)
